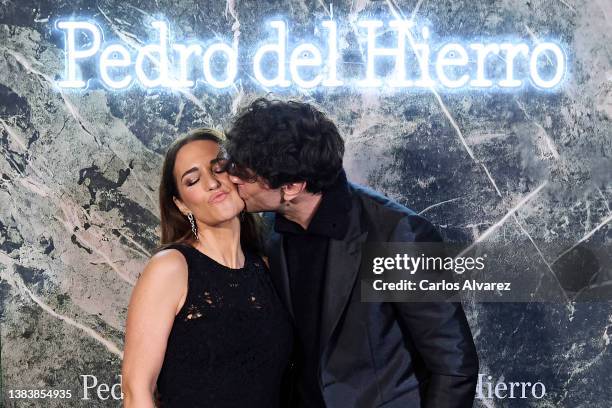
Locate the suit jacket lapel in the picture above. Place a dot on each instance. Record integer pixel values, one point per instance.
(279, 271)
(343, 260)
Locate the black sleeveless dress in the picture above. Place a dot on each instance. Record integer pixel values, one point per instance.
(230, 343)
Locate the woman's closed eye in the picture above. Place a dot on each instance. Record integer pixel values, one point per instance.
(192, 182)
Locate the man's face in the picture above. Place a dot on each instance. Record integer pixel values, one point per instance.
(255, 192)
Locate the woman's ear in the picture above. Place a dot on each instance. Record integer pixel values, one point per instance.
(181, 207)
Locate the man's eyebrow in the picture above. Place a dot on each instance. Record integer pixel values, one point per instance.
(191, 170)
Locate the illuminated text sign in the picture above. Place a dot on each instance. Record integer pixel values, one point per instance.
(411, 62)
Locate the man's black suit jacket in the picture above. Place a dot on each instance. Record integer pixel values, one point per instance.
(391, 355)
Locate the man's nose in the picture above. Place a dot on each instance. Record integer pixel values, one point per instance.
(236, 180)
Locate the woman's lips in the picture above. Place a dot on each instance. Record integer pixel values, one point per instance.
(217, 197)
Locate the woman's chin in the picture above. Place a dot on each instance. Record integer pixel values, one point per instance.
(227, 216)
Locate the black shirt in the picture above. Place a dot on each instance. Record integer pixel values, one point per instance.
(306, 253)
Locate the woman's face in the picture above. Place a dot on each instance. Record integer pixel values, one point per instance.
(210, 196)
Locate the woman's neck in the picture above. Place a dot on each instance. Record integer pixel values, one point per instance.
(222, 243)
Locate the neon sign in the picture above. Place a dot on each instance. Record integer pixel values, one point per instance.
(413, 63)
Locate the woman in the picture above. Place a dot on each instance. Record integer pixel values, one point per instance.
(205, 327)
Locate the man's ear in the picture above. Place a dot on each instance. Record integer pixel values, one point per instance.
(292, 190)
(182, 207)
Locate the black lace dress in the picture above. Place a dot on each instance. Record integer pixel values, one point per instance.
(230, 343)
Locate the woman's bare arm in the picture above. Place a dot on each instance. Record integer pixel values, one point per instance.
(156, 299)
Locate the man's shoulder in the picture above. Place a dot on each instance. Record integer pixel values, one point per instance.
(378, 201)
(392, 220)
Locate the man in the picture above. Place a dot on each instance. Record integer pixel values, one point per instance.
(286, 157)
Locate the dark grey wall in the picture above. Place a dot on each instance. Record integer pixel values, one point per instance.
(79, 174)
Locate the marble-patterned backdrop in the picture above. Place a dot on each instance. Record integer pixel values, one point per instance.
(79, 174)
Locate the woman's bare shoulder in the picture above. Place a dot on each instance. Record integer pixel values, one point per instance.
(167, 264)
(162, 283)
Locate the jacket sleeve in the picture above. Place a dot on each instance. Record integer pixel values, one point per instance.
(440, 334)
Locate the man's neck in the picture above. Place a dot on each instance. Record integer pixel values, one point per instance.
(302, 209)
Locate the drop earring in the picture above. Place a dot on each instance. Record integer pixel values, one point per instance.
(194, 229)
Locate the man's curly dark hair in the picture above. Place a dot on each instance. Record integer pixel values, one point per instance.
(286, 141)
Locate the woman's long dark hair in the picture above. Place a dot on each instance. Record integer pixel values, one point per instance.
(175, 227)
